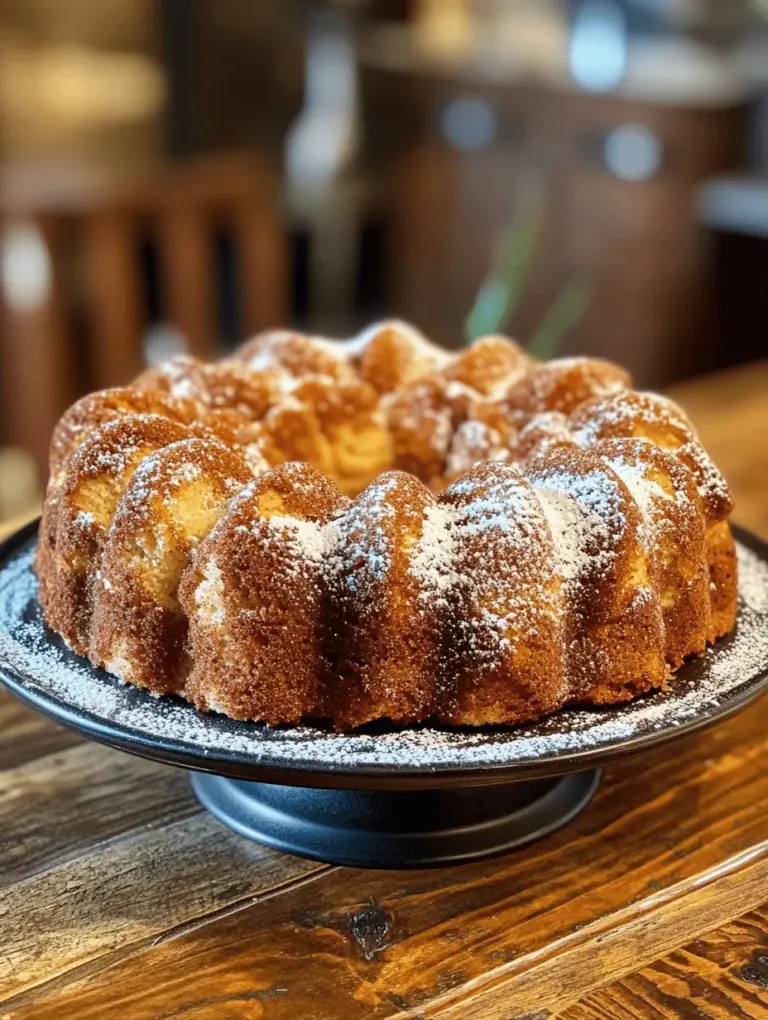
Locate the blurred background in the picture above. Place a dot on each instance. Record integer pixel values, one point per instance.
(590, 176)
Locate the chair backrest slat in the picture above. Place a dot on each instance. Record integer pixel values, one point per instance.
(263, 259)
(115, 299)
(38, 374)
(187, 274)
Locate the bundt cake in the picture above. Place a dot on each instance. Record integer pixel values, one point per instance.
(377, 529)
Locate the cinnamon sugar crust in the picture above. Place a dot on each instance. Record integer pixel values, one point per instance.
(521, 535)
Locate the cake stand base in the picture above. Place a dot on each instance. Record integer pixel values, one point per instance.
(396, 829)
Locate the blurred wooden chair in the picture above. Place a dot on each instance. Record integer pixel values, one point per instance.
(74, 289)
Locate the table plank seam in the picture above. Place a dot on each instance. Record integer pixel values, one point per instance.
(607, 927)
(212, 916)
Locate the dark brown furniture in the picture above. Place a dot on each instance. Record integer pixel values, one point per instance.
(79, 324)
(637, 244)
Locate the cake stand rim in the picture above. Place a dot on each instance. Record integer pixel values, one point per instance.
(303, 772)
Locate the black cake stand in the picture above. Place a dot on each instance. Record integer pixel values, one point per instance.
(413, 797)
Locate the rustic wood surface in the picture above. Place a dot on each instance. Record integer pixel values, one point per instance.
(708, 977)
(120, 897)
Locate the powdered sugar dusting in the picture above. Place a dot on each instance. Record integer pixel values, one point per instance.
(571, 531)
(365, 545)
(209, 596)
(644, 491)
(710, 481)
(585, 516)
(596, 490)
(433, 561)
(154, 476)
(313, 542)
(27, 648)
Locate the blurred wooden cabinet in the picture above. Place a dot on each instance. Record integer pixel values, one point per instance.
(615, 181)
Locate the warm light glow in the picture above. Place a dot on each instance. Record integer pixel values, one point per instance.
(80, 86)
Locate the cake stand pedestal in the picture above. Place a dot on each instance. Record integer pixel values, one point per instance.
(396, 829)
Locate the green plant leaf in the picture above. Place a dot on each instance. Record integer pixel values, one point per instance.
(501, 292)
(567, 310)
(488, 310)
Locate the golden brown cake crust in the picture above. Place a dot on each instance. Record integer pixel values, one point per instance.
(491, 366)
(391, 355)
(78, 514)
(613, 611)
(523, 535)
(296, 355)
(98, 408)
(675, 537)
(563, 385)
(174, 498)
(256, 599)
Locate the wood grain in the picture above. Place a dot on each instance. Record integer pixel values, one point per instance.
(117, 899)
(55, 807)
(622, 941)
(723, 975)
(670, 846)
(89, 837)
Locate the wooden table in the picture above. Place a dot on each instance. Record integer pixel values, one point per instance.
(120, 897)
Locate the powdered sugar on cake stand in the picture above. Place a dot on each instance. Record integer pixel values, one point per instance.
(35, 663)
